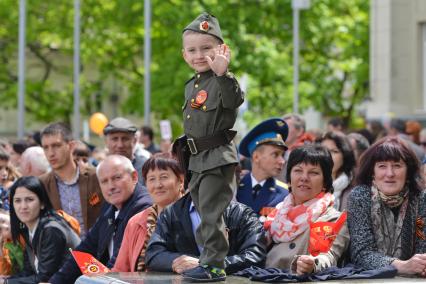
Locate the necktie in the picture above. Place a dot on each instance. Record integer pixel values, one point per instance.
(255, 190)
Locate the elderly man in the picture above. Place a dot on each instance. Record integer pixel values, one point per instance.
(120, 139)
(173, 247)
(34, 162)
(70, 188)
(118, 179)
(265, 145)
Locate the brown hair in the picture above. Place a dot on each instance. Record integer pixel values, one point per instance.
(162, 161)
(389, 149)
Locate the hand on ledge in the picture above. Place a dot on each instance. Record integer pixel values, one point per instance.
(183, 263)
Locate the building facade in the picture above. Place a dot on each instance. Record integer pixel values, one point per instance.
(397, 59)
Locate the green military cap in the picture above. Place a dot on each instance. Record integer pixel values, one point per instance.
(206, 24)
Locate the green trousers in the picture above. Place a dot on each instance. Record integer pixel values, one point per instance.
(212, 191)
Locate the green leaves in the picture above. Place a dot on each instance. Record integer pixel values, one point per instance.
(333, 56)
(16, 255)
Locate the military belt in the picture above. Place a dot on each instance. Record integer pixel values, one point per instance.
(197, 145)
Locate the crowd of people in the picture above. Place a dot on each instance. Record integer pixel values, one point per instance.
(283, 198)
(133, 212)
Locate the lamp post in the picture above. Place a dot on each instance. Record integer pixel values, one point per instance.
(21, 69)
(297, 5)
(147, 62)
(76, 69)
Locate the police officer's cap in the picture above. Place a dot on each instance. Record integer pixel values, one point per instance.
(273, 131)
(120, 124)
(206, 24)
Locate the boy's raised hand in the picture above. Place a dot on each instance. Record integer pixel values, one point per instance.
(220, 63)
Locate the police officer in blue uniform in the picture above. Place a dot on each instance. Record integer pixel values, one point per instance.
(265, 146)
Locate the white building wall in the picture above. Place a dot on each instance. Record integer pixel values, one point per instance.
(396, 63)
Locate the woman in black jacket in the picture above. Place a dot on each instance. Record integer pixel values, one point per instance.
(47, 235)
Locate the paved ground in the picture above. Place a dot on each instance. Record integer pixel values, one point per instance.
(167, 278)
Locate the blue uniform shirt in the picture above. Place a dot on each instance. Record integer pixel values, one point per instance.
(272, 192)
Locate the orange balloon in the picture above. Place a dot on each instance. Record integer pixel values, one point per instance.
(97, 122)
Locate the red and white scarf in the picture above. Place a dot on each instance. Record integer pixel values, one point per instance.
(288, 221)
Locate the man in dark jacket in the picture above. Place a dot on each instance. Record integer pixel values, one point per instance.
(173, 247)
(118, 179)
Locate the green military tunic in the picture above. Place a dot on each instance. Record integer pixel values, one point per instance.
(211, 105)
(218, 112)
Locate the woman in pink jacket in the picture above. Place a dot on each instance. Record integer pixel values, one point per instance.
(164, 181)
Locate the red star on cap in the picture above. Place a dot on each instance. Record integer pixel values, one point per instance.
(204, 26)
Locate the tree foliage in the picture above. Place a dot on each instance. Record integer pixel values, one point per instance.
(333, 63)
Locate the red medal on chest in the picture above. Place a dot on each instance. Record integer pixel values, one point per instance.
(200, 99)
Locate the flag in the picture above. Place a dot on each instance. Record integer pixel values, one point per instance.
(323, 234)
(87, 263)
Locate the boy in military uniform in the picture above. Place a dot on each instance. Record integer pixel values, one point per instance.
(212, 98)
(265, 146)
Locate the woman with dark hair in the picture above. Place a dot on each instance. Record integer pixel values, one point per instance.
(344, 165)
(47, 236)
(310, 201)
(386, 211)
(164, 181)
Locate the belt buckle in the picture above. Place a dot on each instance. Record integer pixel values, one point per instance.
(192, 146)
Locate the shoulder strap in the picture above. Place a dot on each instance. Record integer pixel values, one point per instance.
(71, 221)
(72, 239)
(281, 184)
